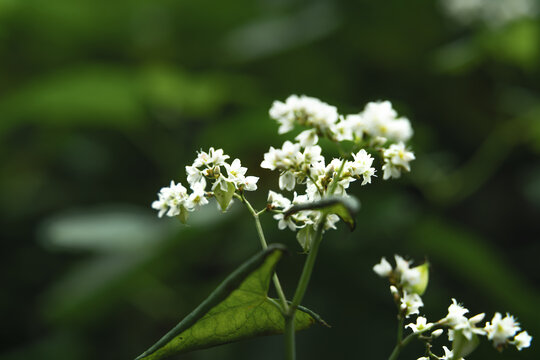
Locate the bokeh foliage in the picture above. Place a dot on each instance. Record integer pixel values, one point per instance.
(102, 102)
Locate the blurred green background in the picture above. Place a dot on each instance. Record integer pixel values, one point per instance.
(103, 102)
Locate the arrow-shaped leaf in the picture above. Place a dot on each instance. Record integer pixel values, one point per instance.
(238, 309)
(344, 207)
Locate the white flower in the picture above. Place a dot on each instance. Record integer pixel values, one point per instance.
(195, 177)
(456, 314)
(448, 355)
(271, 159)
(250, 183)
(396, 158)
(411, 303)
(212, 158)
(171, 199)
(235, 171)
(399, 130)
(277, 200)
(160, 205)
(357, 124)
(522, 340)
(467, 327)
(197, 198)
(287, 181)
(383, 269)
(420, 326)
(284, 222)
(501, 329)
(303, 110)
(343, 130)
(331, 221)
(437, 333)
(307, 138)
(361, 166)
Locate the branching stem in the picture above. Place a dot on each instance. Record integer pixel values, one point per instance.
(264, 245)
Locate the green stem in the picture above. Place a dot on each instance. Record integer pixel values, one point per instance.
(301, 291)
(401, 345)
(400, 330)
(264, 245)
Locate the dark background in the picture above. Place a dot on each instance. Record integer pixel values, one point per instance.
(103, 102)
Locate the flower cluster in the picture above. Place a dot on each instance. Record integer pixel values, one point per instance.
(492, 12)
(377, 129)
(407, 284)
(209, 167)
(379, 121)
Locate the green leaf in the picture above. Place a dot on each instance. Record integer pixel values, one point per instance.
(344, 207)
(238, 309)
(224, 197)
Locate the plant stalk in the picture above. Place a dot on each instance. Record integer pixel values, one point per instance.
(264, 245)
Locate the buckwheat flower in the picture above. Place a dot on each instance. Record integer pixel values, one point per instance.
(501, 329)
(277, 200)
(522, 340)
(196, 199)
(437, 333)
(377, 117)
(362, 166)
(303, 110)
(271, 159)
(287, 181)
(331, 221)
(307, 138)
(170, 200)
(383, 269)
(456, 314)
(467, 327)
(396, 159)
(212, 158)
(284, 222)
(399, 130)
(402, 265)
(358, 125)
(343, 130)
(160, 205)
(411, 303)
(420, 326)
(283, 113)
(221, 182)
(249, 183)
(195, 177)
(236, 172)
(448, 355)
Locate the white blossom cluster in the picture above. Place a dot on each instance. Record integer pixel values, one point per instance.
(377, 129)
(379, 121)
(209, 167)
(492, 12)
(407, 284)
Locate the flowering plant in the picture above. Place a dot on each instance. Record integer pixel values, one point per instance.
(240, 307)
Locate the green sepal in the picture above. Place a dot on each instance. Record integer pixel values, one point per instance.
(183, 216)
(305, 237)
(461, 346)
(238, 309)
(420, 287)
(344, 207)
(224, 197)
